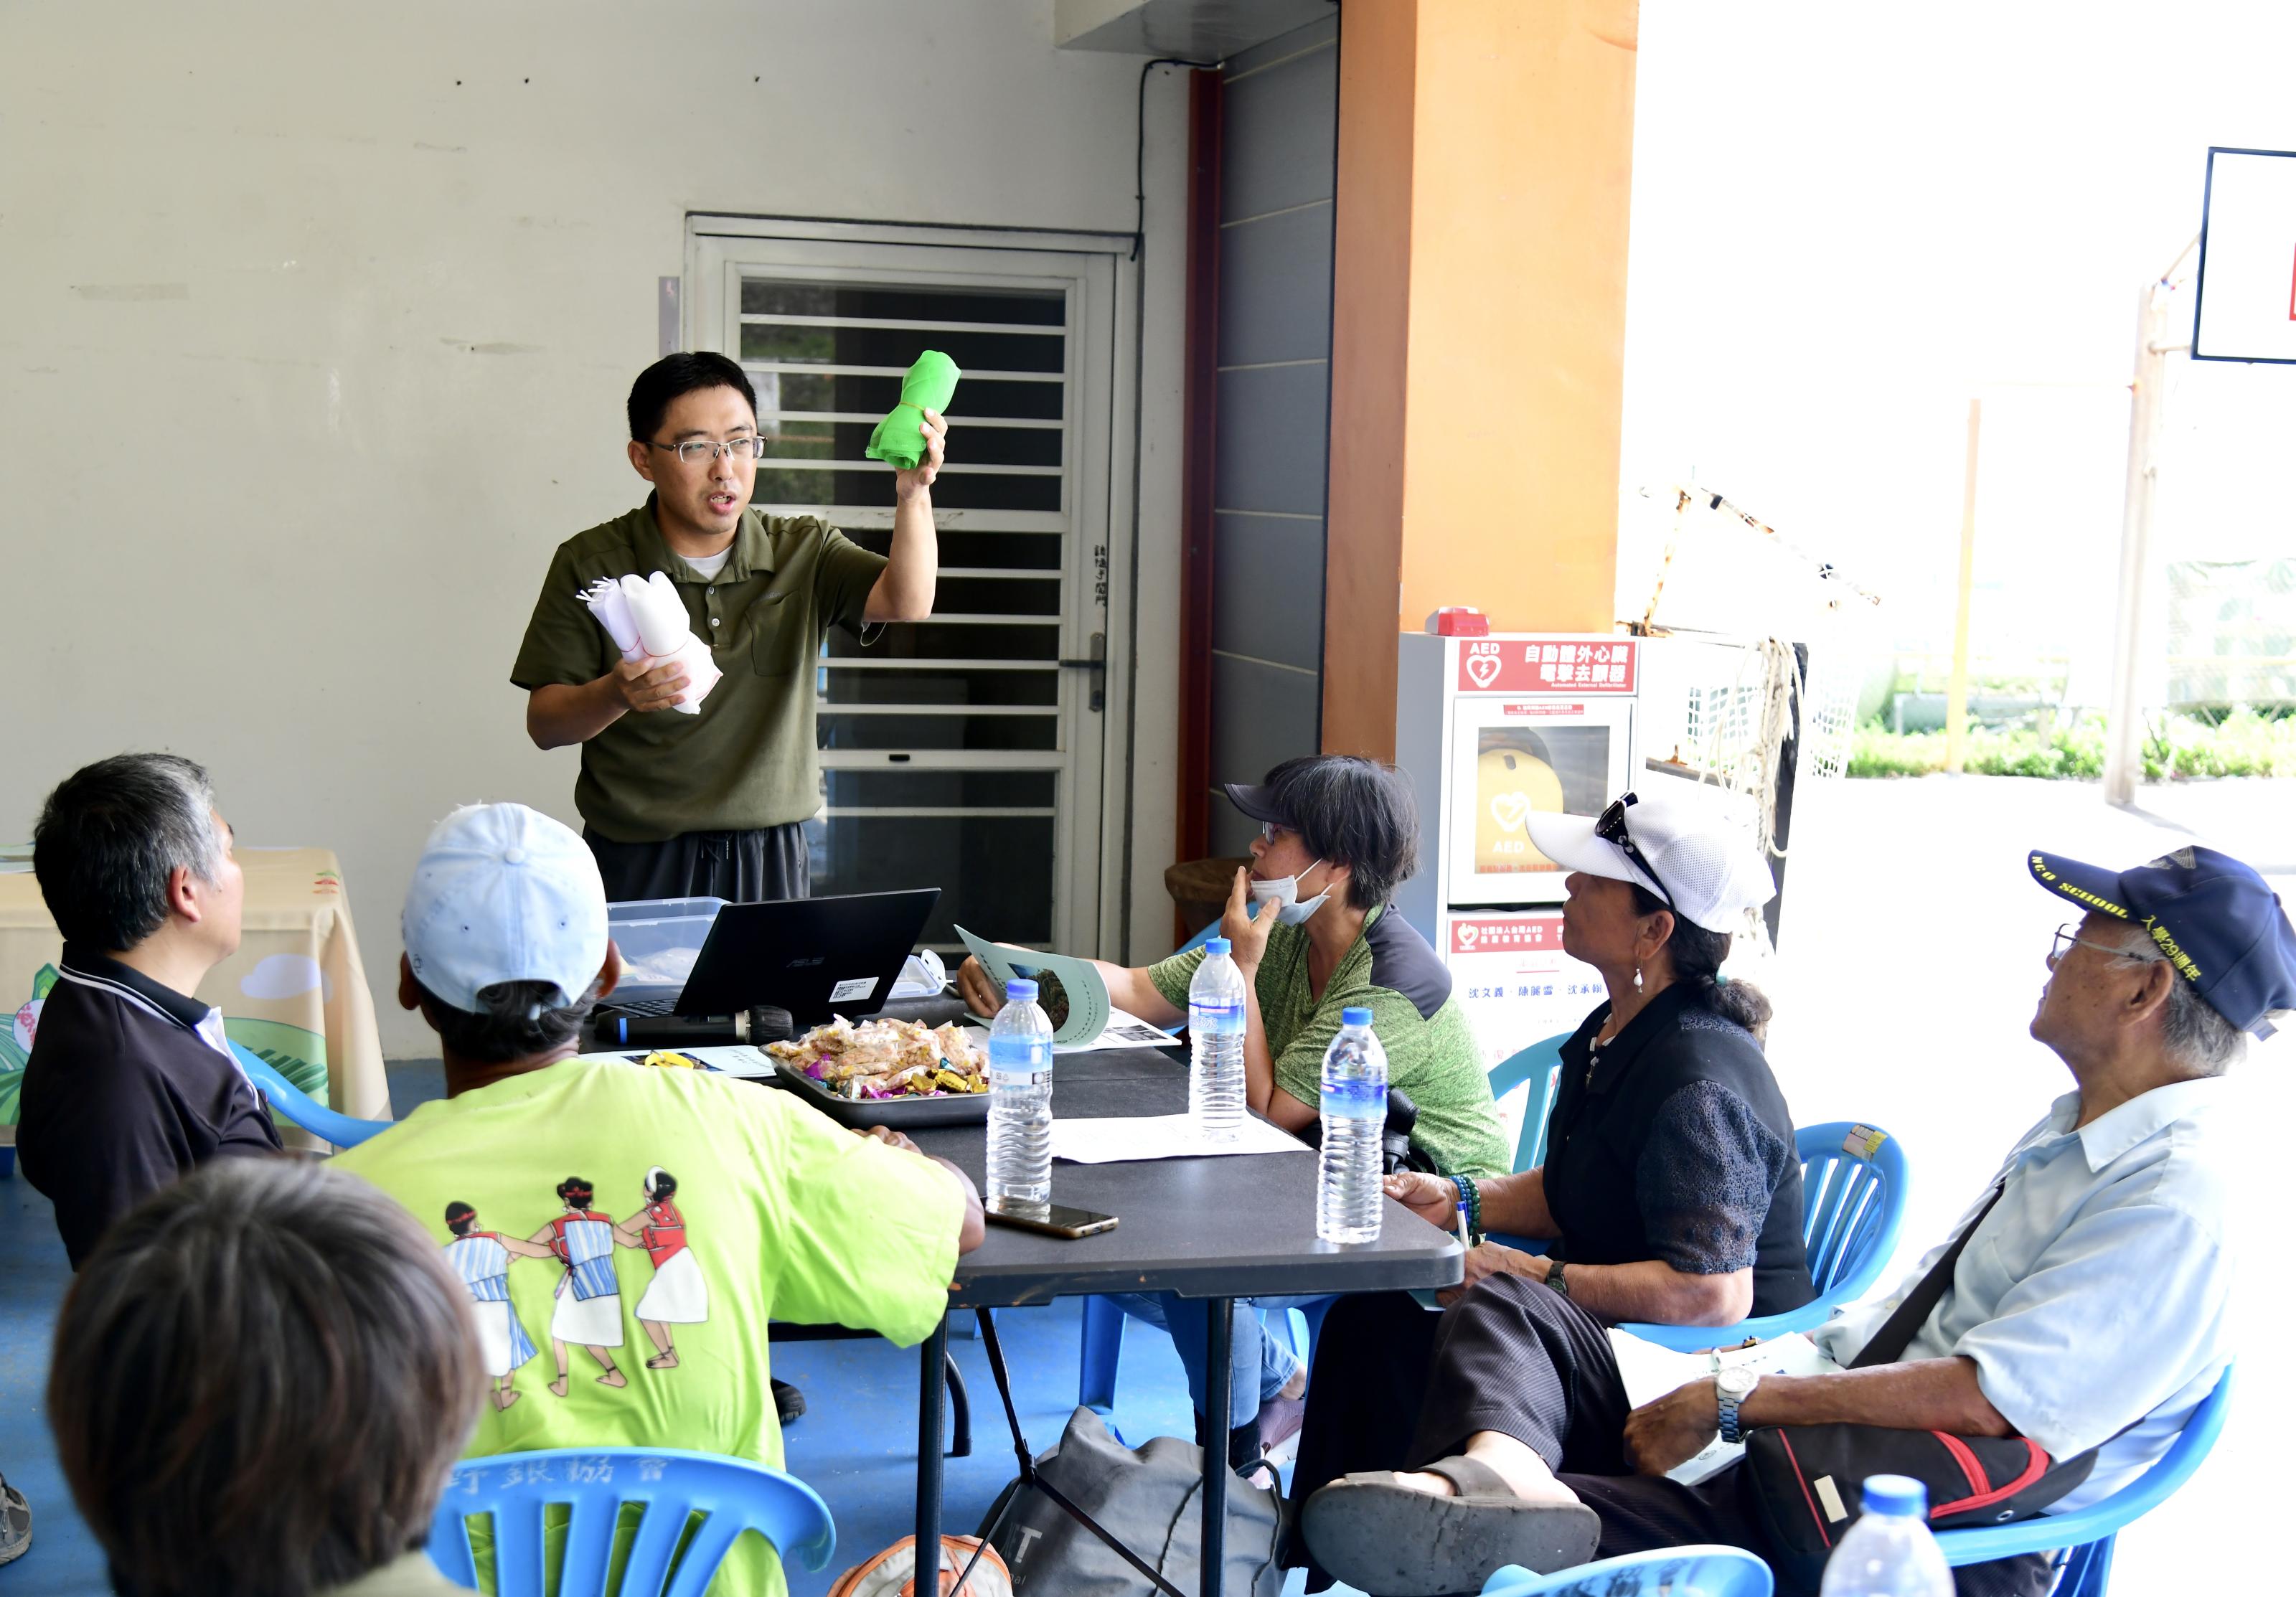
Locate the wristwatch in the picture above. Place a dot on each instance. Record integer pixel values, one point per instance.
(1554, 1278)
(1733, 1387)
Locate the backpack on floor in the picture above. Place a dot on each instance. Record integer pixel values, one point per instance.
(1058, 1525)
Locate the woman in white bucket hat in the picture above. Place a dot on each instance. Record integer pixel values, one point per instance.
(1671, 1193)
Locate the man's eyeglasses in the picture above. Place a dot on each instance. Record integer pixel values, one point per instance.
(1271, 831)
(1611, 826)
(694, 451)
(2069, 938)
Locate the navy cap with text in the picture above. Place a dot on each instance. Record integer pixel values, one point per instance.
(2217, 921)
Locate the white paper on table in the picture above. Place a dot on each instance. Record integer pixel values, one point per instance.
(1124, 1029)
(1088, 1007)
(1651, 1371)
(1158, 1136)
(726, 1059)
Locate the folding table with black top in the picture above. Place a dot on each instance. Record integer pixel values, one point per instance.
(1236, 1225)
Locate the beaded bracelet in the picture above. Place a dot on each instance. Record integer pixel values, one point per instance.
(1473, 1198)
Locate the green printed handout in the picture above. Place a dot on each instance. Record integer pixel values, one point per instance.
(1086, 993)
(900, 437)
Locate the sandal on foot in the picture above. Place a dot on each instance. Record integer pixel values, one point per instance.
(1380, 1536)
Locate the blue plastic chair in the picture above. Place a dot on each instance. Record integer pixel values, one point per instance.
(514, 1490)
(1853, 1205)
(333, 1126)
(1675, 1571)
(2083, 1539)
(1101, 1345)
(1197, 941)
(1519, 1067)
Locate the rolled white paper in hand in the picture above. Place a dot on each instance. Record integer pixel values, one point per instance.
(604, 598)
(648, 623)
(659, 612)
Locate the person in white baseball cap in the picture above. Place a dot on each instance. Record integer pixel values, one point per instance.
(505, 935)
(1690, 847)
(782, 1214)
(1671, 1194)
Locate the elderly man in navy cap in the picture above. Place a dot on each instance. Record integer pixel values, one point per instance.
(2080, 1303)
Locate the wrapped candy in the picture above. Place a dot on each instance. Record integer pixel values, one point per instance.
(887, 1059)
(648, 623)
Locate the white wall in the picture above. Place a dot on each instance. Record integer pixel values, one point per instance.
(316, 320)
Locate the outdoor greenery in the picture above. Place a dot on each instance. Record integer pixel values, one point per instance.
(2244, 743)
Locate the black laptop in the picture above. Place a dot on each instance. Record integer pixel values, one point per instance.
(811, 956)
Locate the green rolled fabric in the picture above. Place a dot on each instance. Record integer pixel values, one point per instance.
(900, 437)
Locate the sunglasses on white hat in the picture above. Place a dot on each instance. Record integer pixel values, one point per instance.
(1693, 850)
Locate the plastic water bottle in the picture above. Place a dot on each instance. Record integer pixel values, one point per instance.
(1355, 1113)
(1889, 1551)
(1216, 1085)
(1021, 1105)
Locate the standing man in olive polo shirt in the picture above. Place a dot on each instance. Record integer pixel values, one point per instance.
(674, 805)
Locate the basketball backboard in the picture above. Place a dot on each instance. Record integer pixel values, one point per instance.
(2244, 306)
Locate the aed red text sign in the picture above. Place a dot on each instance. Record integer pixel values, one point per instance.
(1532, 666)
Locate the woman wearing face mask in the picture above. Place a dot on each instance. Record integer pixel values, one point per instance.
(1337, 835)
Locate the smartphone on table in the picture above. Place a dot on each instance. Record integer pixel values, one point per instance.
(1057, 1220)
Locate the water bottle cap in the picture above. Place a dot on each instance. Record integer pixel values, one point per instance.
(1019, 990)
(1355, 1017)
(1900, 1494)
(1217, 946)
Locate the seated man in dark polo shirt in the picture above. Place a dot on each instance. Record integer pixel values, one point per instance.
(712, 803)
(130, 1083)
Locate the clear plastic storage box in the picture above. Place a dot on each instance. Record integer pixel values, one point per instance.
(660, 938)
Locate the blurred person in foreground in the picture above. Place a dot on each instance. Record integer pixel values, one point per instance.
(261, 1378)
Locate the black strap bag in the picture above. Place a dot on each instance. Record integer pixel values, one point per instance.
(1802, 1484)
(1094, 1517)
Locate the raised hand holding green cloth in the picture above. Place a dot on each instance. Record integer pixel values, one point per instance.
(929, 385)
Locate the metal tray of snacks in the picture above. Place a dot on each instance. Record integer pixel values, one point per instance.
(892, 1073)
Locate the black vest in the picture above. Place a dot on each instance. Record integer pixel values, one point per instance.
(1597, 1131)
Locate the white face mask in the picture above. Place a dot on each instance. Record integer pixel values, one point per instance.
(1284, 893)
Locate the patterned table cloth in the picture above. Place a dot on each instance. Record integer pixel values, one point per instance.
(295, 992)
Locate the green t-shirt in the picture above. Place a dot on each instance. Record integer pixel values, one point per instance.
(748, 757)
(777, 1213)
(1431, 1047)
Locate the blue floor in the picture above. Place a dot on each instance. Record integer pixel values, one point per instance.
(857, 1390)
(856, 1444)
(63, 1561)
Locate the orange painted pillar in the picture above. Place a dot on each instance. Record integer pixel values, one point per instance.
(1478, 309)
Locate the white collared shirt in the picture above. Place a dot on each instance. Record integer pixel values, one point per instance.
(211, 1032)
(2096, 1291)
